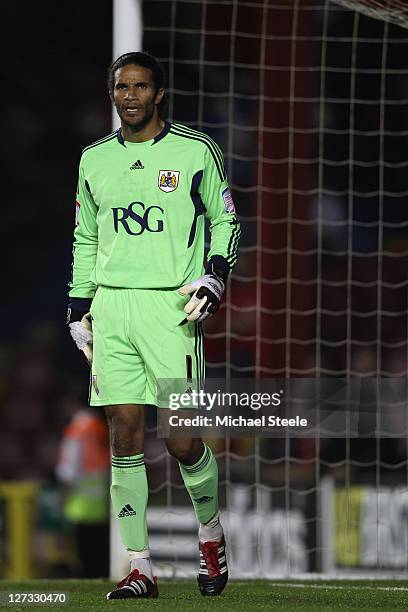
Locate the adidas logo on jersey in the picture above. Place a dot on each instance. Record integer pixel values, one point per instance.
(126, 511)
(137, 165)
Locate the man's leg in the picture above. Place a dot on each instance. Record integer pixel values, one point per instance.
(199, 471)
(129, 493)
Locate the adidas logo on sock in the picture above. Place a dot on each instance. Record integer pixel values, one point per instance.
(137, 165)
(204, 499)
(126, 511)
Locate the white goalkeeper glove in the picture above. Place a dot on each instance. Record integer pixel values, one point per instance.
(205, 301)
(81, 332)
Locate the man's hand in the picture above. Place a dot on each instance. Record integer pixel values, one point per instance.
(80, 328)
(205, 301)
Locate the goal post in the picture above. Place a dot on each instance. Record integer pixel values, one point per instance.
(127, 33)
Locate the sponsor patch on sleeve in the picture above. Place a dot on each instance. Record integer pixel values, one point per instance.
(228, 201)
(77, 207)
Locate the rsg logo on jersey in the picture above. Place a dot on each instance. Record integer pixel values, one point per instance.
(168, 180)
(146, 219)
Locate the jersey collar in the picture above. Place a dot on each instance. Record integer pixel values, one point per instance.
(157, 138)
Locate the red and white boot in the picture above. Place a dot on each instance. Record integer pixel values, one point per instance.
(135, 585)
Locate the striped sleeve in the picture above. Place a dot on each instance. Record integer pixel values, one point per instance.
(216, 196)
(85, 241)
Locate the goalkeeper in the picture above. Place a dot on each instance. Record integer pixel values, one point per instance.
(143, 194)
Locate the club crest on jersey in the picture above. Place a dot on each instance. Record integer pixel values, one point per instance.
(168, 180)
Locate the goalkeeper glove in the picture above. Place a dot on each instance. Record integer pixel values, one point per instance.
(205, 301)
(80, 328)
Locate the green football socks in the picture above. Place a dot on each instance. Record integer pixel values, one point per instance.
(129, 493)
(201, 480)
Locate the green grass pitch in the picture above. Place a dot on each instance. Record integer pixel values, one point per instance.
(276, 596)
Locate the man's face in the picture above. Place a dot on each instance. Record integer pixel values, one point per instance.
(134, 95)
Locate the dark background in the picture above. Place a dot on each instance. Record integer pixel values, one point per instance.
(54, 103)
(332, 171)
(325, 172)
(55, 58)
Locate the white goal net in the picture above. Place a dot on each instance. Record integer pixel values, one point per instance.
(309, 103)
(394, 11)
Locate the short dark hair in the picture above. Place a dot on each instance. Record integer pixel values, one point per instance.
(144, 59)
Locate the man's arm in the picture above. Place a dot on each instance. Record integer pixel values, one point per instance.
(82, 289)
(225, 233)
(224, 224)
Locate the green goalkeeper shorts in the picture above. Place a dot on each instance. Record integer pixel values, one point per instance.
(138, 343)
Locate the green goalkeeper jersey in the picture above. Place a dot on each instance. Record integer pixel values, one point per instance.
(141, 208)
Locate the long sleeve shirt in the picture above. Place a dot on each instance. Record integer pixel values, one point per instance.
(141, 208)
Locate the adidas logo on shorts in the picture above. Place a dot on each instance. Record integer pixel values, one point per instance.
(126, 511)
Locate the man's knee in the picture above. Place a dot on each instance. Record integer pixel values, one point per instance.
(186, 450)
